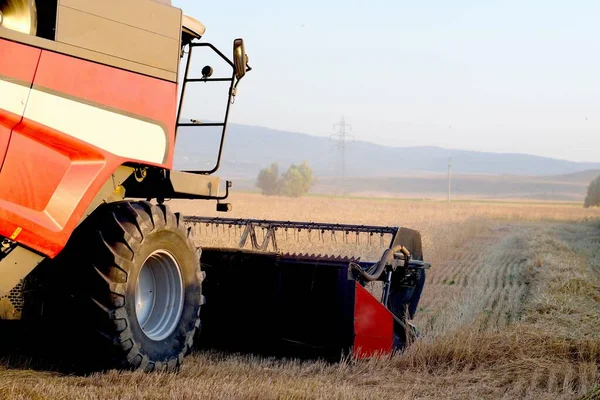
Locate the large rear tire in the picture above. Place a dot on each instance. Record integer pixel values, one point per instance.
(139, 284)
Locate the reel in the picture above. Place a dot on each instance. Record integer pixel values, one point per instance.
(19, 15)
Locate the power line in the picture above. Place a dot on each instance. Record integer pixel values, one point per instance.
(341, 138)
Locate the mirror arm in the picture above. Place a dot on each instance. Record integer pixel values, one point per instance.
(223, 56)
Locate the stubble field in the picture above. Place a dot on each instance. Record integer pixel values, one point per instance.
(511, 309)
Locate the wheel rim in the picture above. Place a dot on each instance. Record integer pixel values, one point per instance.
(159, 295)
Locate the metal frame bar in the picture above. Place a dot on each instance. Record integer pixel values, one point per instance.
(265, 223)
(202, 124)
(209, 80)
(273, 225)
(223, 124)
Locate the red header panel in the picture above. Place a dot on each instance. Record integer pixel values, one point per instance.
(373, 325)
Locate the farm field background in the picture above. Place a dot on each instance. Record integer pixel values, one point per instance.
(510, 309)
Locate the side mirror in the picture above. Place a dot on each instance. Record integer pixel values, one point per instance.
(240, 59)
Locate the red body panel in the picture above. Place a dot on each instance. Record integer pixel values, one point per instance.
(46, 184)
(18, 61)
(373, 325)
(8, 121)
(113, 88)
(17, 65)
(49, 178)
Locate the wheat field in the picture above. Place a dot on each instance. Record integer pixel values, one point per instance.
(511, 309)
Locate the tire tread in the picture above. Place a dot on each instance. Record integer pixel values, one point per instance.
(128, 226)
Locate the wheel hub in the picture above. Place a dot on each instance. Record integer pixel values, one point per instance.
(159, 295)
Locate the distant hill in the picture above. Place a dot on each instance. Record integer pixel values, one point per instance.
(583, 177)
(250, 148)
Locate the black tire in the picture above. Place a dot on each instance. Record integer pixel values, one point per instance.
(104, 260)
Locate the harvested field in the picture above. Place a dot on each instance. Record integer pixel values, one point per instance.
(510, 310)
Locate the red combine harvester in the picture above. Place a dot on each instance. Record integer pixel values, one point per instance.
(89, 116)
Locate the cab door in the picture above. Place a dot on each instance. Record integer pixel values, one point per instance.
(18, 63)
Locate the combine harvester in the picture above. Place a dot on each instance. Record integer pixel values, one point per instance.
(89, 114)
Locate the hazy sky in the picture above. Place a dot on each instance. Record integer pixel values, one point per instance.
(502, 76)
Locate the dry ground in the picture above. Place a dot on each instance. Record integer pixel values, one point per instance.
(511, 309)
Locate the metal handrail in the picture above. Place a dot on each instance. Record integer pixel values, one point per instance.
(223, 124)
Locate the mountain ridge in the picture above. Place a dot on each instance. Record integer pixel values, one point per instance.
(249, 148)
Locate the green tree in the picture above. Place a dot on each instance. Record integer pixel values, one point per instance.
(268, 180)
(593, 195)
(297, 180)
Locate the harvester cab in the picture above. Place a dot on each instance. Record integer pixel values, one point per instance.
(91, 100)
